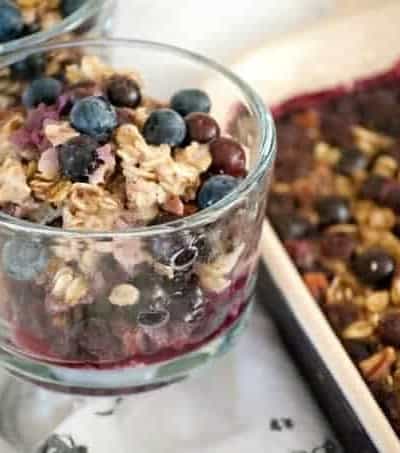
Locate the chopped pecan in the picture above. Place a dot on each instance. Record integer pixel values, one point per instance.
(379, 365)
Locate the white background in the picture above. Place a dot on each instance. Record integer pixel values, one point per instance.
(221, 29)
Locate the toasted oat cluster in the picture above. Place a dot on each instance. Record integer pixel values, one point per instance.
(90, 150)
(20, 18)
(335, 204)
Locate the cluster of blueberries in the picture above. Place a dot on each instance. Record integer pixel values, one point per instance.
(12, 24)
(186, 120)
(373, 267)
(96, 118)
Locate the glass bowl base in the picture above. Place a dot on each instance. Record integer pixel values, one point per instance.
(37, 398)
(128, 380)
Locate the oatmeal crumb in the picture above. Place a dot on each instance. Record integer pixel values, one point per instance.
(124, 295)
(59, 133)
(13, 182)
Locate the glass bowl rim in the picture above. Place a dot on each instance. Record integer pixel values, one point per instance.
(266, 146)
(68, 24)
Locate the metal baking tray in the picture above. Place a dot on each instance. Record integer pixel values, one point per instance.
(333, 53)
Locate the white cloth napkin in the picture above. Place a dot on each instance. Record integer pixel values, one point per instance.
(251, 400)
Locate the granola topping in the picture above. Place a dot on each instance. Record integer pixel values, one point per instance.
(84, 148)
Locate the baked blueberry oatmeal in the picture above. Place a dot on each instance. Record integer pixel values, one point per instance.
(335, 204)
(87, 159)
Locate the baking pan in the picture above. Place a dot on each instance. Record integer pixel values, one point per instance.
(331, 54)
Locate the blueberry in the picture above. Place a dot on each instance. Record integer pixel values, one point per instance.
(281, 204)
(351, 162)
(23, 260)
(68, 7)
(187, 305)
(190, 101)
(95, 117)
(123, 92)
(151, 288)
(291, 226)
(389, 329)
(45, 90)
(164, 126)
(374, 267)
(390, 195)
(341, 315)
(338, 245)
(29, 68)
(156, 318)
(77, 158)
(373, 188)
(358, 350)
(11, 21)
(216, 188)
(333, 210)
(178, 250)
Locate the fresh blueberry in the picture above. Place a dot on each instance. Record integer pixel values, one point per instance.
(68, 7)
(178, 250)
(94, 116)
(45, 90)
(190, 101)
(11, 21)
(123, 92)
(333, 210)
(374, 188)
(23, 260)
(389, 329)
(374, 267)
(156, 318)
(390, 195)
(351, 162)
(151, 287)
(291, 226)
(164, 126)
(29, 68)
(216, 188)
(77, 158)
(338, 245)
(187, 304)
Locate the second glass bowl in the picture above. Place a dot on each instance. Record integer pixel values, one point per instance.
(93, 17)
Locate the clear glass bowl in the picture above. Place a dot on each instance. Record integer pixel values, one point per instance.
(194, 276)
(93, 17)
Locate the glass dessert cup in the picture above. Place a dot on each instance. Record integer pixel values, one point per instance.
(195, 275)
(93, 17)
